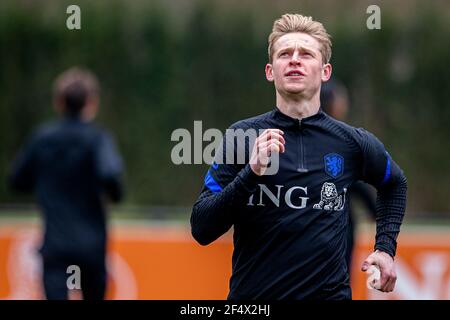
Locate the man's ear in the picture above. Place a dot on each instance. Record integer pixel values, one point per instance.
(90, 110)
(326, 72)
(58, 105)
(269, 72)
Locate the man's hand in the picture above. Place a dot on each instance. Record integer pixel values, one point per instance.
(271, 140)
(387, 269)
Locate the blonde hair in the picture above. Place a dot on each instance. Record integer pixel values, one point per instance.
(289, 23)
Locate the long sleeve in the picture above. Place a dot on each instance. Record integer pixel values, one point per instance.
(22, 176)
(212, 214)
(109, 167)
(380, 170)
(390, 204)
(227, 186)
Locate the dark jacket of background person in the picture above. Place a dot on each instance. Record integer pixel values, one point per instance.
(70, 164)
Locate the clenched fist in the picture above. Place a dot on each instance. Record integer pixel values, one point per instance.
(270, 141)
(386, 265)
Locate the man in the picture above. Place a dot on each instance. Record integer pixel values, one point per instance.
(334, 102)
(290, 227)
(71, 164)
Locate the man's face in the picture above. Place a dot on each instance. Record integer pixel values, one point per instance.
(297, 67)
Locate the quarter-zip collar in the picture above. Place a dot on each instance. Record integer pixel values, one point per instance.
(283, 120)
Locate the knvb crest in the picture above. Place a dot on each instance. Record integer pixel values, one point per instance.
(334, 164)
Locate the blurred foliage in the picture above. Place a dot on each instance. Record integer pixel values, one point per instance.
(163, 65)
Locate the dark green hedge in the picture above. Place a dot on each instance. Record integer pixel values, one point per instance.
(162, 67)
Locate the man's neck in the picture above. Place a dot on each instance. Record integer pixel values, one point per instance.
(298, 107)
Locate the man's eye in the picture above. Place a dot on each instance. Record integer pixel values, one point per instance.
(283, 54)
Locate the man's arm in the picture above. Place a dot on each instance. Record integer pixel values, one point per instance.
(380, 170)
(227, 187)
(213, 212)
(22, 176)
(109, 167)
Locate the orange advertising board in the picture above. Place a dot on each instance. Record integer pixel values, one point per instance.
(163, 262)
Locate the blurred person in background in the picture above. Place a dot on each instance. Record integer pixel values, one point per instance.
(73, 167)
(334, 101)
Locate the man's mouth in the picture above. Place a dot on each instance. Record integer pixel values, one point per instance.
(295, 73)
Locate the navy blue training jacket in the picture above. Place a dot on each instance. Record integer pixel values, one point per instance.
(290, 228)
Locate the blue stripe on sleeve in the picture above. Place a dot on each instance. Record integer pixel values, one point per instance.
(212, 184)
(387, 173)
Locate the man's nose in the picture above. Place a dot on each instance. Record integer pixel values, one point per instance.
(295, 58)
